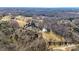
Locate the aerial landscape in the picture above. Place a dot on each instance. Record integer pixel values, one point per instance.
(39, 29)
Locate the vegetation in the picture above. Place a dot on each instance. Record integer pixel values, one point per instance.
(18, 32)
(19, 38)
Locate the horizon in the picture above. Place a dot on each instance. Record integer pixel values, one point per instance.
(39, 7)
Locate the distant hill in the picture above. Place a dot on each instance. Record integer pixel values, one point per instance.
(35, 11)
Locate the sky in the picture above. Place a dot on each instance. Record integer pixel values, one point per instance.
(39, 3)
